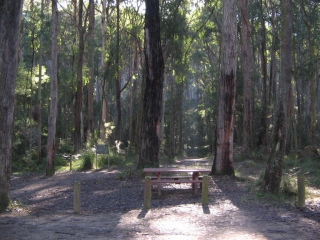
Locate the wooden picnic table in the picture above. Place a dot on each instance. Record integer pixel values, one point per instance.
(163, 171)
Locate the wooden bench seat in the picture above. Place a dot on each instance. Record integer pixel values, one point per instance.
(175, 181)
(172, 177)
(176, 177)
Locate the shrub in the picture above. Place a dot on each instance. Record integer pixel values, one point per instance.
(87, 160)
(289, 185)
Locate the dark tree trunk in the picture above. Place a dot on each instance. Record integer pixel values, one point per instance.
(10, 12)
(118, 79)
(152, 101)
(90, 123)
(39, 107)
(273, 172)
(78, 137)
(263, 137)
(180, 116)
(223, 161)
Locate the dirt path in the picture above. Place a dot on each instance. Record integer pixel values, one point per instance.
(112, 209)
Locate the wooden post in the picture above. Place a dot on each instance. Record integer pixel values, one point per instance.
(76, 198)
(205, 190)
(301, 191)
(147, 192)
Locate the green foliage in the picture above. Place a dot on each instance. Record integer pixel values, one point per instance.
(289, 184)
(28, 163)
(111, 159)
(306, 165)
(88, 158)
(109, 127)
(66, 146)
(128, 173)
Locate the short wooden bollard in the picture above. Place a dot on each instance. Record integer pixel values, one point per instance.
(301, 191)
(205, 190)
(76, 198)
(147, 193)
(70, 163)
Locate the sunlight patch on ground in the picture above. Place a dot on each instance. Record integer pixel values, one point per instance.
(239, 236)
(169, 224)
(313, 194)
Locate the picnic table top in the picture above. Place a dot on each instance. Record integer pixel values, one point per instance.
(172, 169)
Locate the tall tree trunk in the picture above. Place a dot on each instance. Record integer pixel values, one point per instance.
(39, 111)
(10, 12)
(118, 78)
(53, 92)
(172, 116)
(247, 66)
(272, 78)
(90, 90)
(273, 172)
(223, 160)
(152, 101)
(180, 116)
(263, 138)
(78, 131)
(103, 70)
(133, 99)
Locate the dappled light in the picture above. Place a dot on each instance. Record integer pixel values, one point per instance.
(113, 206)
(152, 119)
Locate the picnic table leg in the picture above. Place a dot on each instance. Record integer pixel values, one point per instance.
(159, 187)
(195, 176)
(205, 190)
(147, 193)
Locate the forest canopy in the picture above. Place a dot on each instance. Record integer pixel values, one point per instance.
(101, 100)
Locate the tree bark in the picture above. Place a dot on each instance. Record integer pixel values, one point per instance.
(118, 78)
(53, 92)
(78, 131)
(263, 137)
(39, 89)
(223, 161)
(273, 173)
(152, 101)
(103, 70)
(90, 123)
(10, 12)
(247, 66)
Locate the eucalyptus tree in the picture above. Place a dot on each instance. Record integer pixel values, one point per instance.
(152, 100)
(50, 166)
(223, 160)
(247, 67)
(78, 120)
(263, 137)
(117, 75)
(309, 11)
(90, 86)
(39, 106)
(10, 13)
(305, 55)
(273, 172)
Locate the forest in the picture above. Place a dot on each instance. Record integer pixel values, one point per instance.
(100, 79)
